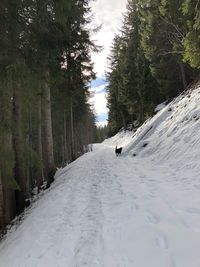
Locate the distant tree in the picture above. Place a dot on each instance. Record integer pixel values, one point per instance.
(101, 133)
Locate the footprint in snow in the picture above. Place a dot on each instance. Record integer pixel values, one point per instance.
(193, 210)
(125, 262)
(132, 196)
(152, 218)
(161, 242)
(134, 206)
(197, 186)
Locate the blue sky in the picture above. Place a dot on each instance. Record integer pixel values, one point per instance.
(98, 100)
(98, 82)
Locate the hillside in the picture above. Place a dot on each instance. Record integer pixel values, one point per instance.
(171, 136)
(139, 209)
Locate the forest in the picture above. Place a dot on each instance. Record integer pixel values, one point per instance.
(154, 58)
(45, 119)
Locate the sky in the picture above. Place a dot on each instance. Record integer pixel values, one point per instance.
(107, 13)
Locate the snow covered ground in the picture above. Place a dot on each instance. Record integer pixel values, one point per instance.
(138, 210)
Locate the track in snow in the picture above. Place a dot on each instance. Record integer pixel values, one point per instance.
(107, 211)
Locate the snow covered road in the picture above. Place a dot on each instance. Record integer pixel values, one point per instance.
(108, 211)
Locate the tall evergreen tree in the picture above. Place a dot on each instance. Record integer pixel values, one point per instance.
(191, 40)
(148, 59)
(131, 85)
(45, 68)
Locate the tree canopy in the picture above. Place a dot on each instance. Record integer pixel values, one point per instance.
(154, 58)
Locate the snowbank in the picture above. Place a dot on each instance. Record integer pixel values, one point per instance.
(122, 138)
(173, 134)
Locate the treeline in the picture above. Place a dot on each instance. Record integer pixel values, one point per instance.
(154, 58)
(45, 118)
(101, 133)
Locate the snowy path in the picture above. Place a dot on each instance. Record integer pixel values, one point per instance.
(107, 211)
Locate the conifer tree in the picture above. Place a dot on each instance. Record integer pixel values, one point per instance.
(132, 88)
(44, 75)
(148, 59)
(191, 40)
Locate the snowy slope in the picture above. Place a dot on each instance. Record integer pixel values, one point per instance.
(120, 139)
(172, 135)
(174, 131)
(128, 211)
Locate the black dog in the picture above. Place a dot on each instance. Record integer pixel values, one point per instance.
(118, 151)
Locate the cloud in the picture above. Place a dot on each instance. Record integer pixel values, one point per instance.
(98, 90)
(98, 99)
(102, 119)
(108, 13)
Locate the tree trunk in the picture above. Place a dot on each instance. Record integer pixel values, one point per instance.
(40, 173)
(20, 173)
(48, 136)
(7, 182)
(9, 204)
(2, 212)
(123, 119)
(72, 129)
(7, 170)
(183, 75)
(65, 136)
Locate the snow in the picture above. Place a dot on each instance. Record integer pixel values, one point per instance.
(139, 209)
(160, 106)
(123, 138)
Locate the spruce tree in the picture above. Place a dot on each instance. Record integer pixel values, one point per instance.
(191, 40)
